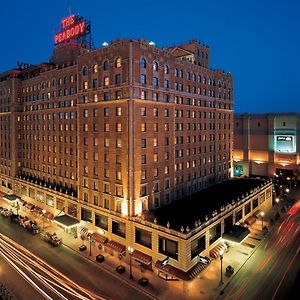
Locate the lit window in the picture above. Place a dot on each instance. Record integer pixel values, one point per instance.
(118, 62)
(95, 68)
(85, 85)
(106, 81)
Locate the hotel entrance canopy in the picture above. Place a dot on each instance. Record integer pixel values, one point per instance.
(11, 198)
(66, 221)
(236, 234)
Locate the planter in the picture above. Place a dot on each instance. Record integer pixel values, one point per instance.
(100, 258)
(82, 248)
(143, 281)
(120, 269)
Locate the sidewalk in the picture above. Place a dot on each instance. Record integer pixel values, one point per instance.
(205, 286)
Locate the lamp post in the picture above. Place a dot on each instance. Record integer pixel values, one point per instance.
(18, 206)
(90, 238)
(43, 217)
(262, 220)
(130, 250)
(277, 204)
(221, 259)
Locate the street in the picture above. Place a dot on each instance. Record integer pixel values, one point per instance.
(272, 269)
(93, 282)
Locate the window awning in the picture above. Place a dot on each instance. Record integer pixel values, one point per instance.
(29, 206)
(96, 237)
(217, 250)
(66, 221)
(116, 247)
(250, 220)
(179, 274)
(142, 257)
(236, 234)
(257, 213)
(38, 210)
(11, 198)
(48, 215)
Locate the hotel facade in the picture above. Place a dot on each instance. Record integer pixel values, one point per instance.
(104, 136)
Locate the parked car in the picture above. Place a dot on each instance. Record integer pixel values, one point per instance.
(51, 238)
(15, 218)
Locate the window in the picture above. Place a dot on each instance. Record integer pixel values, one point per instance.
(155, 81)
(106, 81)
(143, 111)
(85, 85)
(143, 79)
(106, 96)
(106, 65)
(197, 246)
(118, 111)
(86, 215)
(85, 71)
(106, 112)
(118, 62)
(168, 247)
(95, 83)
(95, 68)
(101, 221)
(166, 69)
(143, 143)
(119, 228)
(143, 63)
(118, 79)
(143, 237)
(155, 66)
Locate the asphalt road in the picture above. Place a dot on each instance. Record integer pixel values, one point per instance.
(84, 272)
(272, 269)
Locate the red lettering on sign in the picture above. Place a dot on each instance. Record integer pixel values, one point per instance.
(67, 22)
(69, 33)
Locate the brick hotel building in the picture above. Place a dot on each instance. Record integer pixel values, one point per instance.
(107, 135)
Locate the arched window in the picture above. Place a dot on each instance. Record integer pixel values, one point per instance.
(85, 70)
(181, 74)
(95, 68)
(106, 65)
(166, 69)
(155, 66)
(188, 75)
(118, 62)
(143, 63)
(176, 72)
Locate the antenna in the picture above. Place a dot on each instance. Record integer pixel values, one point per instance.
(70, 13)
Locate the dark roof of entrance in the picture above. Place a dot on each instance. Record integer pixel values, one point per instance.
(185, 211)
(236, 234)
(66, 220)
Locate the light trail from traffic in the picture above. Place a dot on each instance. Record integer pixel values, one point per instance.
(40, 275)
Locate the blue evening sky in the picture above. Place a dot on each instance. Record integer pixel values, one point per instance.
(257, 41)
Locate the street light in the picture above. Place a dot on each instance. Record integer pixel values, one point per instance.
(130, 250)
(277, 203)
(18, 206)
(221, 259)
(262, 220)
(43, 217)
(90, 238)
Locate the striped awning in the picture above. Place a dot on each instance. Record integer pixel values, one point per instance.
(116, 247)
(96, 237)
(142, 257)
(217, 250)
(83, 232)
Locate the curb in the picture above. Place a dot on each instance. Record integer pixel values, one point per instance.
(104, 268)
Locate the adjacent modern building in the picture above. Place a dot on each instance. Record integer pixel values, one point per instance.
(267, 144)
(102, 138)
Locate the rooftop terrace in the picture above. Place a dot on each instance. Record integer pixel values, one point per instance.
(184, 212)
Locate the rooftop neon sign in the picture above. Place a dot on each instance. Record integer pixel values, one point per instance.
(71, 28)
